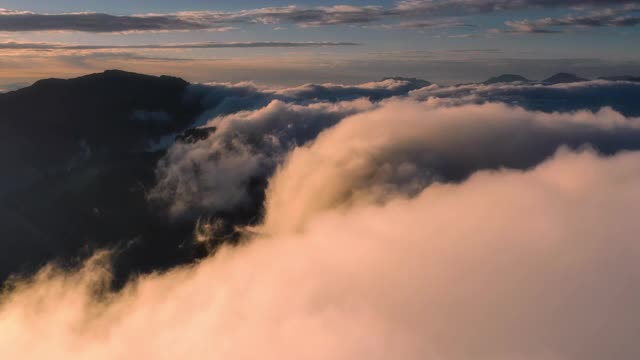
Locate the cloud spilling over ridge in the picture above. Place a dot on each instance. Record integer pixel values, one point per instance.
(230, 168)
(256, 128)
(216, 174)
(404, 146)
(528, 265)
(16, 21)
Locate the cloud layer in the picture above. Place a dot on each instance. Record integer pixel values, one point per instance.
(507, 265)
(259, 127)
(217, 174)
(368, 158)
(591, 95)
(255, 129)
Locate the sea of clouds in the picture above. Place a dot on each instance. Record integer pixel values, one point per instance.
(398, 220)
(447, 132)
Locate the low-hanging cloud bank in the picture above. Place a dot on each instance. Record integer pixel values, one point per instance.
(228, 170)
(223, 172)
(368, 157)
(592, 95)
(255, 129)
(510, 264)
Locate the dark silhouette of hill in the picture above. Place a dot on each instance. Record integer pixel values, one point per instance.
(93, 110)
(563, 78)
(506, 78)
(75, 165)
(418, 83)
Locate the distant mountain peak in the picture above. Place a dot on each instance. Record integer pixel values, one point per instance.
(564, 78)
(101, 107)
(114, 75)
(408, 79)
(506, 78)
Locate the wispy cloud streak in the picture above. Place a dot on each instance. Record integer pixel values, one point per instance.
(623, 17)
(21, 21)
(13, 45)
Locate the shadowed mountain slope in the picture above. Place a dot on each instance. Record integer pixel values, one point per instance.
(506, 78)
(563, 78)
(74, 168)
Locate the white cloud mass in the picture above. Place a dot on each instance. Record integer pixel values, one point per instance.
(214, 174)
(527, 265)
(428, 126)
(370, 157)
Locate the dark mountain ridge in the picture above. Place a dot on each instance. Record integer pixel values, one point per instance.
(563, 78)
(506, 78)
(64, 116)
(74, 167)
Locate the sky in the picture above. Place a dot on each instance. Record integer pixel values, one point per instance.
(293, 42)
